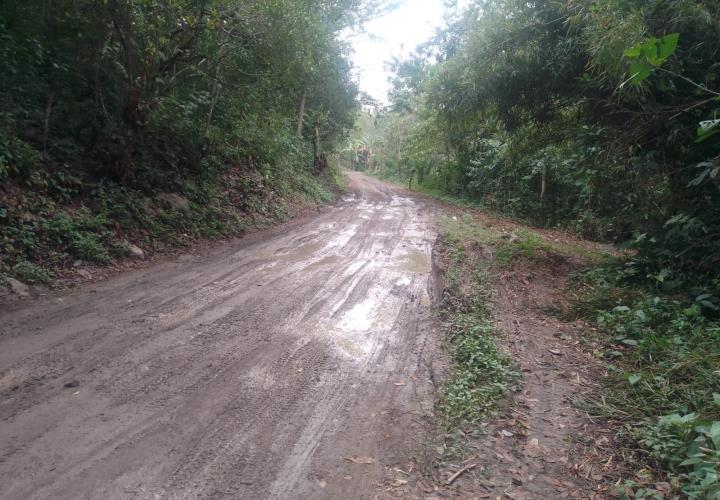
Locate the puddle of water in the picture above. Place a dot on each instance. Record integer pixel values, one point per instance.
(360, 317)
(349, 347)
(325, 261)
(415, 262)
(299, 254)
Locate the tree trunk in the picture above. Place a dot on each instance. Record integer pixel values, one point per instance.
(316, 144)
(543, 184)
(301, 115)
(46, 127)
(215, 94)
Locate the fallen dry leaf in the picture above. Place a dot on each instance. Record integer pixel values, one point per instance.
(424, 487)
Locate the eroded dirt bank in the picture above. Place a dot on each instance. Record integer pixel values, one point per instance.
(291, 365)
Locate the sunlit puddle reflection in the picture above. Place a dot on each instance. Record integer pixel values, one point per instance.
(360, 318)
(415, 262)
(356, 331)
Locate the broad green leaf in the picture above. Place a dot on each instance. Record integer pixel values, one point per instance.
(634, 51)
(707, 129)
(709, 305)
(715, 432)
(650, 51)
(639, 73)
(634, 378)
(692, 461)
(667, 45)
(706, 135)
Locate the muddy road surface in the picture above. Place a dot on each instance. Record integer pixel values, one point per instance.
(293, 363)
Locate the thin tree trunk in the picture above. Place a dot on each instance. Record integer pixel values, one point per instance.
(301, 114)
(46, 127)
(412, 175)
(217, 86)
(316, 145)
(543, 184)
(216, 93)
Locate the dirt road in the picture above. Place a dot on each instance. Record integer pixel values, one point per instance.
(290, 364)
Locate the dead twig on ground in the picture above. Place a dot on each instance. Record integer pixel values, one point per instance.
(459, 473)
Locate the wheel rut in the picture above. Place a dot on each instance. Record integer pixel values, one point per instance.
(258, 369)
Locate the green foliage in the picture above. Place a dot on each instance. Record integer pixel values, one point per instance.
(670, 351)
(546, 130)
(482, 374)
(688, 448)
(78, 235)
(30, 273)
(663, 380)
(107, 104)
(650, 54)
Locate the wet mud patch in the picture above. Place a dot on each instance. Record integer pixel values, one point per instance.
(302, 252)
(292, 364)
(325, 261)
(414, 262)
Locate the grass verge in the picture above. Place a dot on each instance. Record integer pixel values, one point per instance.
(662, 349)
(483, 375)
(512, 243)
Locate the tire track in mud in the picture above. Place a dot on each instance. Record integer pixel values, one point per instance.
(249, 372)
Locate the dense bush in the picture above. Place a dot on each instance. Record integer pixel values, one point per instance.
(663, 357)
(104, 105)
(600, 116)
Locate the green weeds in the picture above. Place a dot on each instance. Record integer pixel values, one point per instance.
(52, 225)
(509, 247)
(663, 384)
(482, 374)
(30, 273)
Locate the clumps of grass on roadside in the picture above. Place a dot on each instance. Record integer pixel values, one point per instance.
(30, 273)
(482, 374)
(510, 246)
(45, 231)
(663, 383)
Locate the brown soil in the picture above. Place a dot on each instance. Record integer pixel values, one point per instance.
(291, 364)
(298, 362)
(556, 450)
(541, 445)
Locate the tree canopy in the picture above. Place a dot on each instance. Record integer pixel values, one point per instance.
(596, 116)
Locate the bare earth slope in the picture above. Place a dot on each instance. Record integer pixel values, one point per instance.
(293, 364)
